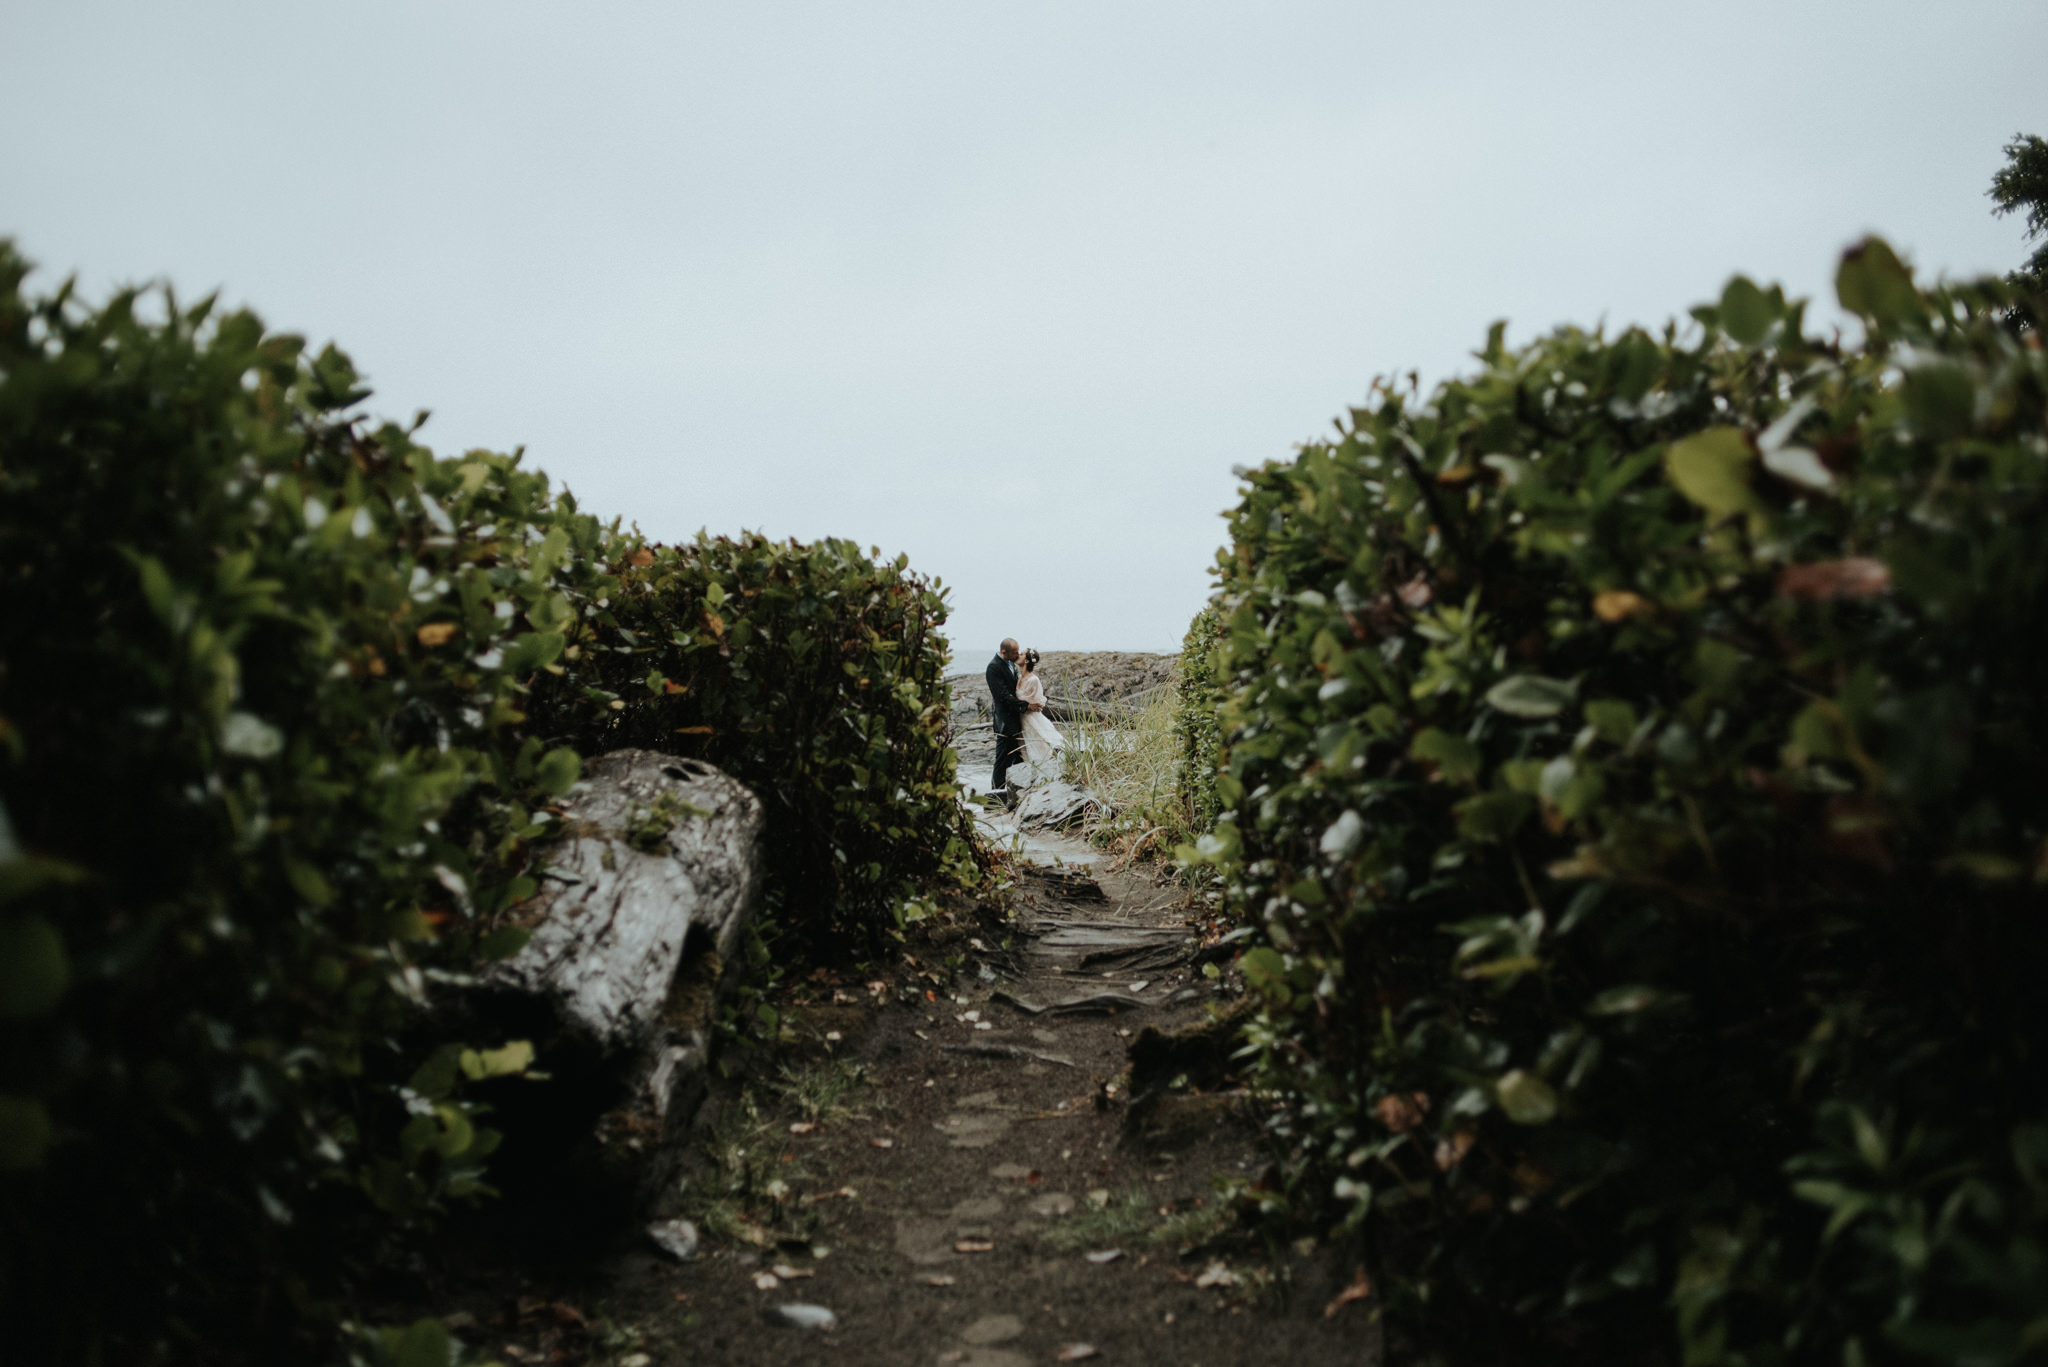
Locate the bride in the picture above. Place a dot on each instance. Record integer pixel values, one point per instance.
(1042, 740)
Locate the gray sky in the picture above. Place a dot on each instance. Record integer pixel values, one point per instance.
(1010, 288)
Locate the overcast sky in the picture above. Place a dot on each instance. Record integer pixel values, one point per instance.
(1008, 287)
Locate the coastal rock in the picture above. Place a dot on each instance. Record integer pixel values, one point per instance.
(1049, 806)
(1092, 683)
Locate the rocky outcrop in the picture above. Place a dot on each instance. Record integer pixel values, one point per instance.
(1077, 683)
(645, 900)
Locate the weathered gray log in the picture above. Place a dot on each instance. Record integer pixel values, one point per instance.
(645, 898)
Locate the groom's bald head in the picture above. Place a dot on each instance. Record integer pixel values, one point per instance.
(1008, 649)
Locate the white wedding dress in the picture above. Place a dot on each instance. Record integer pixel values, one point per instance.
(1042, 740)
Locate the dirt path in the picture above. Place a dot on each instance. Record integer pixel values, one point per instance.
(961, 1178)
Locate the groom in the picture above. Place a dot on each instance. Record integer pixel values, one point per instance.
(1009, 718)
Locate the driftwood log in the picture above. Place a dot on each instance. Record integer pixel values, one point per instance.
(646, 896)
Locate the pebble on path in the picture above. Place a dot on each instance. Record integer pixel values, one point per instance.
(677, 1238)
(1052, 1205)
(992, 1329)
(978, 1208)
(800, 1316)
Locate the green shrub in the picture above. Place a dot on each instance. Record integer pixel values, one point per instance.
(261, 776)
(1198, 740)
(283, 700)
(811, 672)
(1635, 758)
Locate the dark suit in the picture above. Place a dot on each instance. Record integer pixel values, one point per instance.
(1009, 719)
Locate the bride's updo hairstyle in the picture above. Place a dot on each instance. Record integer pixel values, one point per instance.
(1031, 660)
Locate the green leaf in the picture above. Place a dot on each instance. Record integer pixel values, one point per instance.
(309, 882)
(1870, 1143)
(1264, 968)
(1493, 816)
(1909, 1244)
(503, 943)
(1504, 968)
(509, 1060)
(25, 1133)
(1634, 365)
(557, 771)
(1581, 795)
(436, 1077)
(427, 1343)
(1984, 866)
(1941, 401)
(1845, 1215)
(1719, 663)
(532, 650)
(1746, 312)
(22, 875)
(447, 1131)
(1874, 283)
(1613, 720)
(156, 588)
(1622, 1001)
(1457, 760)
(1712, 469)
(551, 612)
(335, 380)
(1817, 731)
(34, 970)
(1526, 1098)
(1821, 1193)
(1531, 696)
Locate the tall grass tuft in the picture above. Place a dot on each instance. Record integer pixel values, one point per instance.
(1130, 761)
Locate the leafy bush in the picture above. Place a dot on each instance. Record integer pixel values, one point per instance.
(1197, 737)
(811, 672)
(1634, 758)
(274, 693)
(261, 778)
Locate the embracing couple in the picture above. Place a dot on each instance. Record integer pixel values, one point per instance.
(1023, 731)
